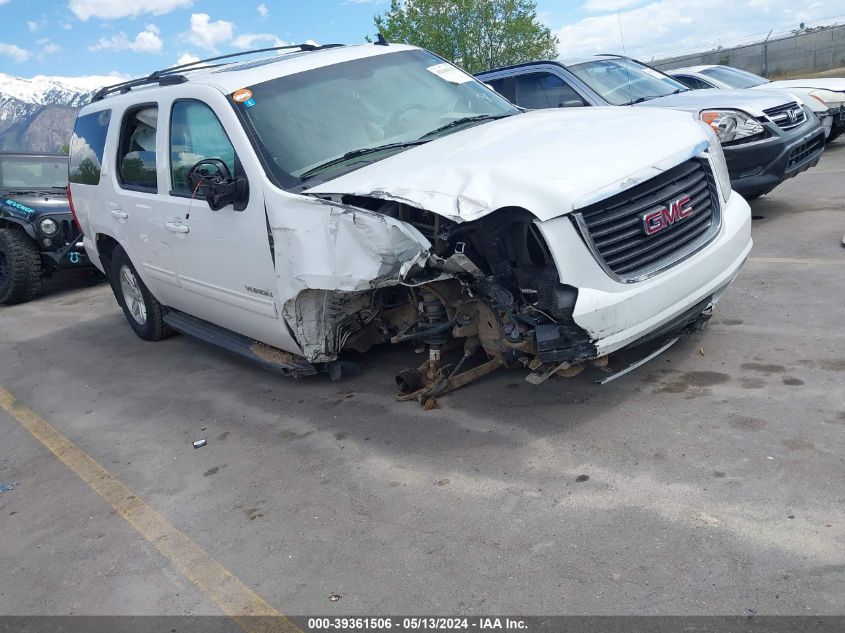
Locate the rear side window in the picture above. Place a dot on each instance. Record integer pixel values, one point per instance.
(544, 90)
(136, 155)
(86, 147)
(195, 134)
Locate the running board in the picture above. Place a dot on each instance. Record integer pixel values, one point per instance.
(265, 356)
(639, 363)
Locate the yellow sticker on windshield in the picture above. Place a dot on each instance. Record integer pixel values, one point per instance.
(242, 95)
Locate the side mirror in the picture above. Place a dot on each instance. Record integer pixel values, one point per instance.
(211, 179)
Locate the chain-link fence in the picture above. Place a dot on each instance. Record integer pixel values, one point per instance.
(811, 51)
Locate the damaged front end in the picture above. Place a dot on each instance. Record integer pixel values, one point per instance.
(486, 292)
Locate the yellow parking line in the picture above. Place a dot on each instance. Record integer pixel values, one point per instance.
(231, 595)
(791, 260)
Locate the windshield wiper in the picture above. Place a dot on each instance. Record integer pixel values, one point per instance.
(641, 99)
(356, 153)
(464, 120)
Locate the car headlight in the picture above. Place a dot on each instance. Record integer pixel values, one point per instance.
(718, 163)
(731, 125)
(48, 226)
(827, 97)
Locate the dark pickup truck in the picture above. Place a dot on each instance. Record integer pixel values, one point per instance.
(38, 235)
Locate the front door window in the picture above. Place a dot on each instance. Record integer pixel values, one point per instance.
(195, 134)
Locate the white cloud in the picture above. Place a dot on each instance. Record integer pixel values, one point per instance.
(147, 41)
(665, 28)
(15, 52)
(257, 40)
(207, 34)
(48, 47)
(601, 6)
(263, 11)
(187, 58)
(36, 25)
(114, 9)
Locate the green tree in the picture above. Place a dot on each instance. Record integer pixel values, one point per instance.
(475, 34)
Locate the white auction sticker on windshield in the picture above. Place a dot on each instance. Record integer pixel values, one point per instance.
(449, 73)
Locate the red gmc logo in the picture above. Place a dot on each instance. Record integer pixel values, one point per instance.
(659, 219)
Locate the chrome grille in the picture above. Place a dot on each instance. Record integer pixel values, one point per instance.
(615, 229)
(786, 116)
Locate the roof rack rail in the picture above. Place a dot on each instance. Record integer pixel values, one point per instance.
(169, 76)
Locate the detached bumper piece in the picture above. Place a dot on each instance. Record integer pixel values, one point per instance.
(693, 320)
(265, 356)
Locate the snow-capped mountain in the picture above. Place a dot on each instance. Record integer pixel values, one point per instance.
(37, 114)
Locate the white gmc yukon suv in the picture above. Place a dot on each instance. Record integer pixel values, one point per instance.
(333, 198)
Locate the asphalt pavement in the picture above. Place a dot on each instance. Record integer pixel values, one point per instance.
(709, 481)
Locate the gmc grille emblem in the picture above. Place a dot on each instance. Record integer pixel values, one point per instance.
(659, 219)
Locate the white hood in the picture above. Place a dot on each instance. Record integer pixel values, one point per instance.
(754, 102)
(546, 161)
(802, 94)
(824, 83)
(832, 84)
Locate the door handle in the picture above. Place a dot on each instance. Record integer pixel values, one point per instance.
(119, 214)
(177, 227)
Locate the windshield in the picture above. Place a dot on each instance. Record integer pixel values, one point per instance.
(623, 81)
(733, 77)
(33, 172)
(303, 121)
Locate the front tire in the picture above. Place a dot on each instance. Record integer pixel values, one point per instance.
(20, 267)
(141, 309)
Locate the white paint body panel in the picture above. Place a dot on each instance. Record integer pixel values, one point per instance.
(618, 314)
(547, 161)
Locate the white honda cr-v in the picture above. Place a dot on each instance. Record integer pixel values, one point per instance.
(328, 199)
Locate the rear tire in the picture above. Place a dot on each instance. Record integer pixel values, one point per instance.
(141, 309)
(20, 267)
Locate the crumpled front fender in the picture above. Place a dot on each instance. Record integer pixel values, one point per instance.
(328, 255)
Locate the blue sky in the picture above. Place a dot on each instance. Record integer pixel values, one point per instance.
(96, 37)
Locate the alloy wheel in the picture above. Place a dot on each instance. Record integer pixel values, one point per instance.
(132, 295)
